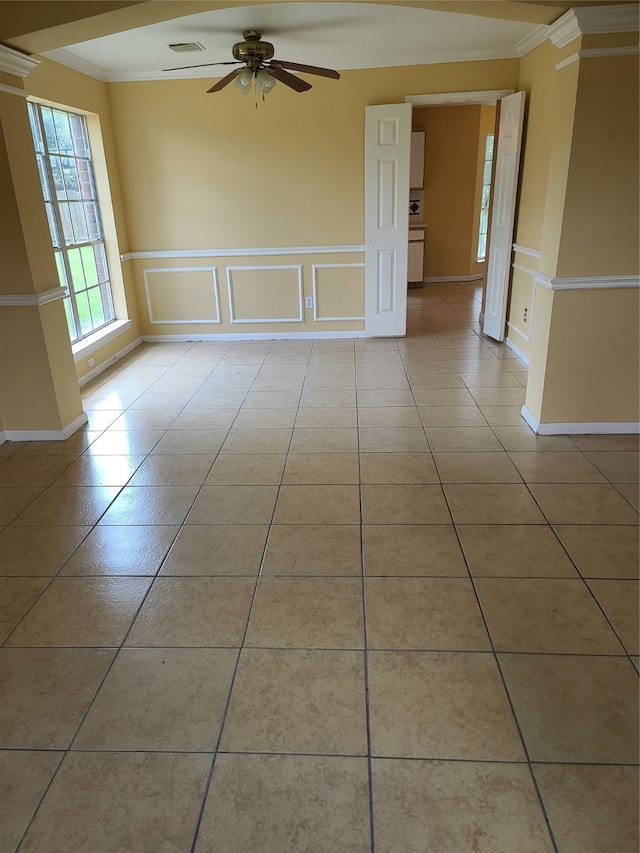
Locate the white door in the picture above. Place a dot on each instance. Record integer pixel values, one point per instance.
(505, 189)
(387, 148)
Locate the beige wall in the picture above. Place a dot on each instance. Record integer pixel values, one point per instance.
(601, 226)
(578, 218)
(450, 191)
(213, 172)
(593, 347)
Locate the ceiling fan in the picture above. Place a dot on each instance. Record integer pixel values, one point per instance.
(256, 57)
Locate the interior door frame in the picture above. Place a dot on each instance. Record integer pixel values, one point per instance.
(490, 97)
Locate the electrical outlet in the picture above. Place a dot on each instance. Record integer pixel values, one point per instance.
(308, 302)
(91, 362)
(524, 317)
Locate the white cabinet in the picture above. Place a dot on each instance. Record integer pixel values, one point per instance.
(416, 167)
(415, 266)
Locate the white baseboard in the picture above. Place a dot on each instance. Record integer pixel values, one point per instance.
(46, 434)
(515, 348)
(595, 428)
(106, 364)
(254, 336)
(444, 278)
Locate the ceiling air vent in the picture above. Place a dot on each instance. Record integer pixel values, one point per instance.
(187, 47)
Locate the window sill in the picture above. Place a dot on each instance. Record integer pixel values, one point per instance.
(88, 345)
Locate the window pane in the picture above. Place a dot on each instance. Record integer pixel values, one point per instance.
(107, 303)
(484, 219)
(62, 273)
(80, 230)
(85, 185)
(63, 132)
(49, 130)
(71, 323)
(100, 261)
(75, 265)
(89, 264)
(486, 179)
(97, 310)
(79, 136)
(70, 176)
(38, 144)
(489, 147)
(65, 219)
(84, 312)
(482, 247)
(92, 220)
(53, 226)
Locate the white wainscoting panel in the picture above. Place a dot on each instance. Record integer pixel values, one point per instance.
(253, 290)
(167, 300)
(327, 280)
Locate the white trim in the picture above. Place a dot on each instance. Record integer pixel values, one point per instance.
(257, 336)
(83, 380)
(608, 19)
(33, 300)
(610, 282)
(488, 97)
(67, 58)
(569, 60)
(232, 310)
(565, 30)
(314, 278)
(524, 269)
(13, 90)
(533, 40)
(70, 60)
(596, 428)
(216, 293)
(542, 279)
(526, 250)
(47, 434)
(15, 63)
(598, 52)
(435, 279)
(515, 348)
(98, 339)
(241, 253)
(593, 21)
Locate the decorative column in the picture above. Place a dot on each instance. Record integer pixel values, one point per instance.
(39, 393)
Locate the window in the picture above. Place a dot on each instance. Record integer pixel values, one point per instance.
(486, 194)
(66, 174)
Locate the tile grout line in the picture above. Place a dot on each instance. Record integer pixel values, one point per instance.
(223, 718)
(528, 759)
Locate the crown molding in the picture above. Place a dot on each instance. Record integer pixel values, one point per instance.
(76, 63)
(593, 20)
(15, 63)
(533, 40)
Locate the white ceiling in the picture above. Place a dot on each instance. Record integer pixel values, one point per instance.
(334, 35)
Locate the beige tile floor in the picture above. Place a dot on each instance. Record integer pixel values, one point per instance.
(323, 596)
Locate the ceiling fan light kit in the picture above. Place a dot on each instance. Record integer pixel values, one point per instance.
(261, 69)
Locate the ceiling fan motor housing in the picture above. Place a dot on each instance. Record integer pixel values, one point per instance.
(252, 47)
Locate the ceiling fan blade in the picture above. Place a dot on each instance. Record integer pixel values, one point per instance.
(225, 81)
(288, 79)
(203, 65)
(309, 69)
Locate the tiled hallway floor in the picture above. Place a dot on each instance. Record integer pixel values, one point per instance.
(323, 596)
